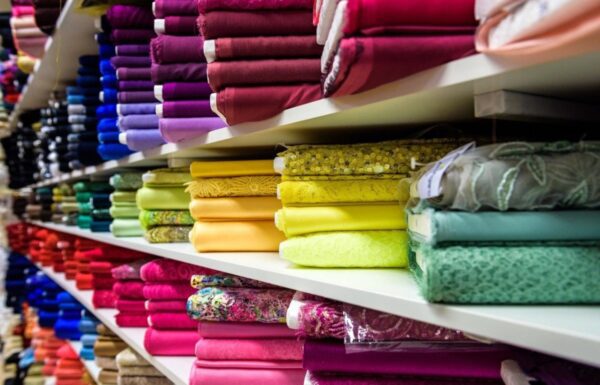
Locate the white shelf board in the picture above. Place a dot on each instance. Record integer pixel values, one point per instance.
(572, 332)
(90, 365)
(442, 94)
(177, 369)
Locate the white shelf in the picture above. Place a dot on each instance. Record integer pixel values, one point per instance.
(571, 332)
(177, 369)
(90, 366)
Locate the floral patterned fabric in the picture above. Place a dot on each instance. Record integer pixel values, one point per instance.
(226, 280)
(168, 234)
(149, 219)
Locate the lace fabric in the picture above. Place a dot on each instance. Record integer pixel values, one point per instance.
(234, 187)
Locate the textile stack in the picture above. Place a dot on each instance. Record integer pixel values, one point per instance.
(123, 207)
(44, 197)
(135, 370)
(106, 348)
(180, 73)
(22, 153)
(84, 277)
(46, 14)
(87, 327)
(83, 195)
(27, 36)
(262, 57)
(50, 255)
(66, 245)
(163, 204)
(67, 210)
(69, 316)
(233, 205)
(69, 369)
(504, 215)
(128, 289)
(100, 201)
(55, 135)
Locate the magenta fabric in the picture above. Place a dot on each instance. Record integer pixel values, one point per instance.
(132, 320)
(136, 109)
(187, 109)
(173, 306)
(168, 270)
(132, 36)
(219, 376)
(245, 5)
(136, 97)
(170, 342)
(130, 16)
(175, 8)
(130, 61)
(316, 378)
(167, 49)
(267, 47)
(249, 104)
(133, 305)
(239, 330)
(261, 72)
(283, 349)
(167, 291)
(248, 364)
(104, 299)
(442, 360)
(172, 321)
(186, 91)
(129, 270)
(181, 25)
(111, 253)
(368, 62)
(133, 50)
(217, 24)
(144, 139)
(136, 85)
(179, 129)
(137, 122)
(188, 72)
(102, 282)
(129, 289)
(134, 74)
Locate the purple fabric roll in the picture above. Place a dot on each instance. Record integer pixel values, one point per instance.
(186, 91)
(136, 97)
(140, 140)
(445, 360)
(133, 50)
(130, 16)
(132, 36)
(134, 74)
(138, 122)
(136, 109)
(166, 49)
(190, 72)
(130, 61)
(176, 130)
(176, 8)
(187, 109)
(136, 85)
(181, 25)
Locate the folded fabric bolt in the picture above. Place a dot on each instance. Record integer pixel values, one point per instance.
(248, 104)
(318, 378)
(167, 177)
(262, 47)
(177, 25)
(210, 169)
(168, 234)
(135, 380)
(132, 49)
(221, 376)
(240, 5)
(236, 236)
(129, 16)
(176, 130)
(247, 364)
(239, 305)
(108, 376)
(149, 219)
(142, 139)
(135, 85)
(108, 137)
(180, 72)
(163, 198)
(108, 346)
(165, 306)
(250, 349)
(129, 289)
(185, 109)
(172, 321)
(124, 196)
(113, 151)
(136, 97)
(106, 362)
(132, 319)
(182, 91)
(137, 306)
(134, 74)
(240, 208)
(166, 270)
(103, 299)
(215, 24)
(243, 330)
(170, 343)
(136, 109)
(164, 8)
(126, 228)
(363, 249)
(167, 291)
(177, 49)
(130, 61)
(234, 186)
(131, 36)
(128, 358)
(512, 274)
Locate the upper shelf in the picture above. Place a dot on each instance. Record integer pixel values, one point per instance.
(571, 332)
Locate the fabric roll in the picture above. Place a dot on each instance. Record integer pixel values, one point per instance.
(243, 330)
(129, 16)
(318, 378)
(170, 343)
(134, 85)
(177, 25)
(241, 186)
(165, 270)
(128, 358)
(215, 24)
(167, 177)
(149, 219)
(236, 236)
(167, 291)
(130, 61)
(209, 169)
(164, 8)
(182, 91)
(172, 321)
(131, 319)
(136, 97)
(166, 306)
(132, 49)
(186, 109)
(239, 5)
(262, 349)
(180, 72)
(171, 198)
(167, 49)
(136, 109)
(132, 122)
(267, 47)
(144, 139)
(179, 129)
(241, 208)
(113, 151)
(134, 74)
(220, 376)
(131, 36)
(168, 234)
(141, 380)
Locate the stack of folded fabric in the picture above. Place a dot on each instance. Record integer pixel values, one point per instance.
(55, 131)
(69, 316)
(368, 44)
(28, 38)
(511, 28)
(135, 370)
(132, 29)
(234, 204)
(263, 62)
(59, 193)
(36, 242)
(163, 204)
(108, 132)
(47, 350)
(185, 111)
(106, 348)
(243, 336)
(47, 13)
(166, 289)
(33, 210)
(100, 201)
(70, 369)
(66, 245)
(341, 201)
(123, 207)
(504, 226)
(83, 277)
(83, 100)
(82, 197)
(89, 334)
(21, 151)
(44, 197)
(67, 205)
(130, 295)
(49, 253)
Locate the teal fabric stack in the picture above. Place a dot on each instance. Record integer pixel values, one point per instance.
(123, 208)
(511, 223)
(84, 193)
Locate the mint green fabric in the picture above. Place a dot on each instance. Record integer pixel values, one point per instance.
(85, 208)
(128, 211)
(83, 197)
(126, 228)
(84, 221)
(538, 274)
(519, 226)
(163, 198)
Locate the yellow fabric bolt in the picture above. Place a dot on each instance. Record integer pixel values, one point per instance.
(239, 186)
(231, 209)
(212, 169)
(236, 236)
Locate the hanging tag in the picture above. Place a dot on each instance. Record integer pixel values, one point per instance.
(430, 184)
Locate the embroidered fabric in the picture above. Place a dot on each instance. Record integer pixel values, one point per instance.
(234, 187)
(149, 219)
(168, 234)
(226, 280)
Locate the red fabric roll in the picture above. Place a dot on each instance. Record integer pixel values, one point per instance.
(267, 47)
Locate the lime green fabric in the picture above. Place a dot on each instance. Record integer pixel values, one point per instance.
(126, 228)
(129, 211)
(167, 177)
(163, 198)
(123, 196)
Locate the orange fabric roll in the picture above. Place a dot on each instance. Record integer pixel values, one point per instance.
(239, 208)
(236, 236)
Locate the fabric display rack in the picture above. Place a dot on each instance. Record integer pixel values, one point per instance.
(299, 192)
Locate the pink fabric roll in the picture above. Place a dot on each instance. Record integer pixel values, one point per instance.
(163, 8)
(129, 289)
(104, 299)
(175, 130)
(267, 47)
(132, 320)
(132, 36)
(138, 306)
(134, 74)
(182, 72)
(219, 376)
(168, 270)
(22, 10)
(185, 91)
(284, 349)
(181, 25)
(156, 306)
(172, 321)
(128, 271)
(249, 330)
(162, 291)
(248, 364)
(245, 5)
(170, 343)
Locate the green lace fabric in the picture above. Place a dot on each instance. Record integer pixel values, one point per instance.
(168, 234)
(149, 219)
(368, 160)
(504, 274)
(129, 181)
(167, 177)
(522, 176)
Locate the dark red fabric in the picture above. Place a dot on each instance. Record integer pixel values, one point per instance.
(267, 47)
(181, 25)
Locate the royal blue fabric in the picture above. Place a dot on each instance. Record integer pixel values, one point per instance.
(106, 111)
(113, 151)
(108, 137)
(109, 81)
(108, 125)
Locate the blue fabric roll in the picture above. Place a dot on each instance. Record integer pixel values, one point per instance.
(82, 99)
(76, 90)
(106, 111)
(108, 137)
(108, 125)
(89, 60)
(47, 319)
(88, 71)
(106, 51)
(67, 329)
(109, 81)
(70, 315)
(88, 81)
(113, 151)
(87, 326)
(106, 68)
(87, 353)
(88, 340)
(110, 96)
(100, 226)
